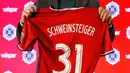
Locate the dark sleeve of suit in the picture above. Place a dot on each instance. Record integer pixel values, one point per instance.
(111, 32)
(55, 4)
(39, 4)
(18, 32)
(87, 3)
(67, 3)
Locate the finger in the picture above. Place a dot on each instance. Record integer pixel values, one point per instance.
(102, 13)
(100, 10)
(110, 19)
(34, 7)
(28, 11)
(109, 16)
(22, 17)
(105, 16)
(25, 14)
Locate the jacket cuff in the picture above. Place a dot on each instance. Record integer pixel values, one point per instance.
(21, 23)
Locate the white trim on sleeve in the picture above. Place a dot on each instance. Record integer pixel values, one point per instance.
(75, 8)
(110, 25)
(21, 23)
(19, 47)
(107, 53)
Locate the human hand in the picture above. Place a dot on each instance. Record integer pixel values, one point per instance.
(28, 12)
(105, 14)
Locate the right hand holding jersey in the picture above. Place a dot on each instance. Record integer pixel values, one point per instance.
(28, 12)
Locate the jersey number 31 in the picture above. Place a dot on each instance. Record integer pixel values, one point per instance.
(64, 58)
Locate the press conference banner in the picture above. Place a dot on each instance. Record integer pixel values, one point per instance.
(12, 60)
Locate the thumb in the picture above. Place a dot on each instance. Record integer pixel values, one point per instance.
(22, 17)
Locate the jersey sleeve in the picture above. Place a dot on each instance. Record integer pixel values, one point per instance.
(27, 39)
(107, 45)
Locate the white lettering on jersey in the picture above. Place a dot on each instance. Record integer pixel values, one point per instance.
(64, 58)
(79, 49)
(7, 55)
(71, 28)
(8, 9)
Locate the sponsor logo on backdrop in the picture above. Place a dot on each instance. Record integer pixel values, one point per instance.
(117, 32)
(127, 9)
(128, 32)
(127, 56)
(114, 57)
(8, 55)
(9, 32)
(8, 71)
(29, 56)
(114, 8)
(28, 4)
(10, 9)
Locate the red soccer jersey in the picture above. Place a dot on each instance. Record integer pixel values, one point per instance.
(70, 41)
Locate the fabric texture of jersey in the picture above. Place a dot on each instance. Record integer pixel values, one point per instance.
(70, 40)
